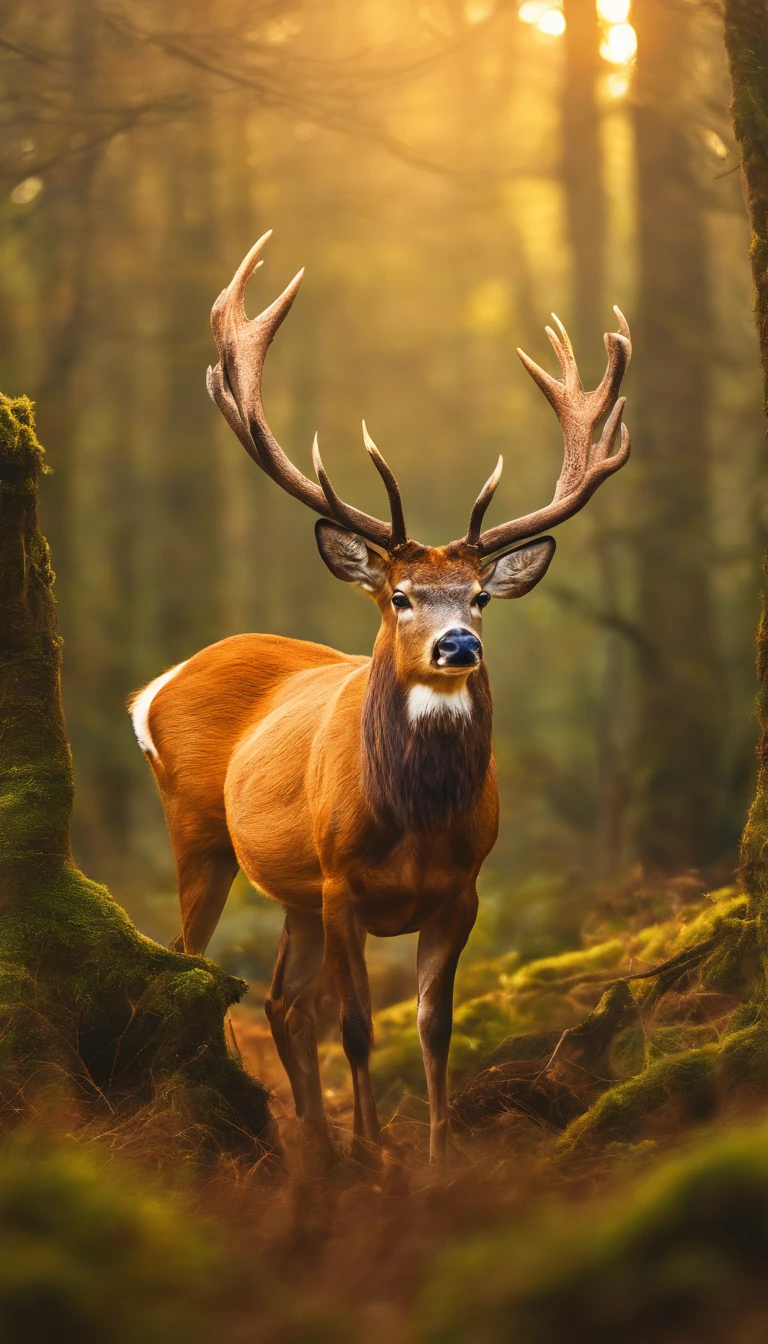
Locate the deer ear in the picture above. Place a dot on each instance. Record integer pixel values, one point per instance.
(348, 557)
(515, 573)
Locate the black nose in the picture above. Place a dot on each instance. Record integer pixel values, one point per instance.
(457, 648)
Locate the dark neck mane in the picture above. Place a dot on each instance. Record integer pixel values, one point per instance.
(422, 776)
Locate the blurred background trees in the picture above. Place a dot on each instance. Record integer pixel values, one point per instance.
(448, 173)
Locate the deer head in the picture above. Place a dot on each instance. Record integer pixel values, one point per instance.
(431, 599)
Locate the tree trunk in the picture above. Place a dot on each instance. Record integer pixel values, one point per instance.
(188, 604)
(732, 958)
(88, 1006)
(585, 206)
(582, 177)
(746, 39)
(681, 711)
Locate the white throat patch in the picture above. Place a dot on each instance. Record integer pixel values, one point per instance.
(425, 703)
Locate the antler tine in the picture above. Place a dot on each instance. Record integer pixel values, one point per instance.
(619, 348)
(335, 504)
(623, 325)
(585, 464)
(551, 387)
(399, 531)
(235, 386)
(600, 450)
(481, 504)
(564, 351)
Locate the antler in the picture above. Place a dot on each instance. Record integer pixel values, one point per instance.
(585, 464)
(235, 386)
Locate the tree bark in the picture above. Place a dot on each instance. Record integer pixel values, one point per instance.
(586, 210)
(88, 1006)
(746, 40)
(188, 541)
(733, 956)
(681, 712)
(582, 177)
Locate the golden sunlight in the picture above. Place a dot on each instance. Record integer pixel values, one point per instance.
(613, 11)
(477, 11)
(616, 85)
(531, 10)
(620, 44)
(544, 15)
(552, 22)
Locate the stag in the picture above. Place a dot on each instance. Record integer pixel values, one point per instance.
(359, 793)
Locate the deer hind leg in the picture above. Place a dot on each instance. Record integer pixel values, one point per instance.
(204, 882)
(290, 1010)
(345, 956)
(441, 942)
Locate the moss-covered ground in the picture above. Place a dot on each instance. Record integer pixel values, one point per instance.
(658, 1015)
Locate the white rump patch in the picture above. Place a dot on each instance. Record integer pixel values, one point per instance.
(424, 703)
(141, 706)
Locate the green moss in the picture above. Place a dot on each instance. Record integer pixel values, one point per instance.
(19, 447)
(629, 1053)
(480, 974)
(86, 1003)
(83, 991)
(570, 965)
(87, 1255)
(624, 1110)
(679, 1256)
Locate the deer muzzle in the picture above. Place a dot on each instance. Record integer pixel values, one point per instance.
(457, 648)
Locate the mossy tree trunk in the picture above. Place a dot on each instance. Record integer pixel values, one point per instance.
(678, 746)
(582, 176)
(87, 1005)
(746, 39)
(734, 959)
(37, 786)
(727, 963)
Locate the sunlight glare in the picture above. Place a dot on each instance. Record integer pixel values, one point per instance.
(532, 10)
(281, 30)
(616, 85)
(613, 11)
(620, 44)
(27, 191)
(715, 143)
(477, 11)
(552, 22)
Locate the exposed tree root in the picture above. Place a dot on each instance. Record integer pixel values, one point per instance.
(649, 1054)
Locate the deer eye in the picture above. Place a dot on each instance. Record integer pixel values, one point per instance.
(400, 601)
(482, 600)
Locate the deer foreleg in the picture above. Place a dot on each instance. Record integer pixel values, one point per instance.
(345, 958)
(441, 943)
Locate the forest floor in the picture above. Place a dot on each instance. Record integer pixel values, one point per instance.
(528, 1236)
